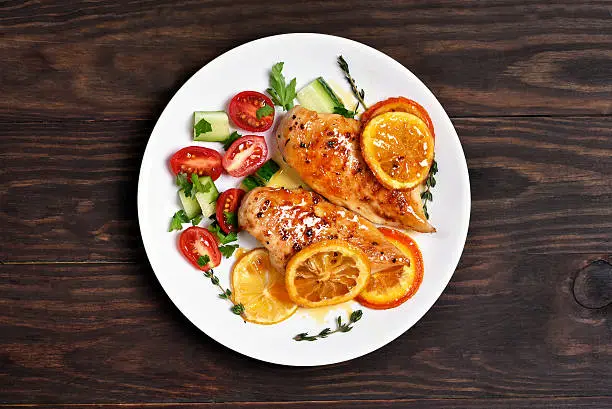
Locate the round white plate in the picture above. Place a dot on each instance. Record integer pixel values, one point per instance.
(306, 56)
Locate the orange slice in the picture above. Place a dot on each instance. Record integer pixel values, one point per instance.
(326, 273)
(261, 289)
(399, 149)
(390, 288)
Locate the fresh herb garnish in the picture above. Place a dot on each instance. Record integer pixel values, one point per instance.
(360, 95)
(223, 238)
(226, 294)
(231, 139)
(340, 327)
(281, 93)
(231, 218)
(177, 221)
(196, 220)
(345, 112)
(183, 182)
(228, 250)
(198, 186)
(429, 183)
(203, 260)
(202, 126)
(264, 111)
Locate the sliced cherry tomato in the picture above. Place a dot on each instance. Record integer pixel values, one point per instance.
(245, 155)
(399, 104)
(195, 242)
(227, 205)
(196, 159)
(243, 111)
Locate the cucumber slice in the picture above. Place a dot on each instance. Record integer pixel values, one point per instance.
(267, 170)
(190, 206)
(318, 96)
(250, 183)
(207, 200)
(219, 122)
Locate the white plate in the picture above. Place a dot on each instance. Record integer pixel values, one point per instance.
(247, 67)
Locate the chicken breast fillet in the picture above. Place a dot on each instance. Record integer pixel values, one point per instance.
(324, 150)
(285, 221)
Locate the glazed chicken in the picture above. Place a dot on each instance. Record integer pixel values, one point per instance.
(285, 221)
(324, 150)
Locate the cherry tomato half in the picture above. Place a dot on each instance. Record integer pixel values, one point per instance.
(243, 111)
(195, 242)
(245, 155)
(398, 104)
(227, 205)
(196, 159)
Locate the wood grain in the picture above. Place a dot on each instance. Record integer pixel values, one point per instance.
(513, 403)
(539, 186)
(125, 59)
(508, 326)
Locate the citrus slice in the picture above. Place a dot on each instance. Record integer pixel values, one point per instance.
(326, 273)
(261, 289)
(399, 149)
(390, 288)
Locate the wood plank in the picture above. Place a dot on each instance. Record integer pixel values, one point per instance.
(516, 403)
(507, 326)
(100, 59)
(539, 185)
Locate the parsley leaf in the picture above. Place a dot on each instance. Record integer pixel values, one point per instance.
(264, 111)
(230, 218)
(202, 126)
(231, 139)
(223, 238)
(198, 186)
(203, 260)
(344, 112)
(177, 220)
(281, 93)
(184, 183)
(196, 220)
(228, 250)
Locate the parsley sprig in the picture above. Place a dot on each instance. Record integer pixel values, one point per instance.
(429, 183)
(225, 294)
(231, 139)
(282, 94)
(360, 95)
(345, 112)
(203, 126)
(264, 111)
(340, 327)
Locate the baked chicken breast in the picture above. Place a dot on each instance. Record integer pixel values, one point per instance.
(285, 221)
(324, 150)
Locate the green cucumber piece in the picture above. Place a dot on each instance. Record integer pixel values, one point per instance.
(190, 206)
(318, 96)
(267, 170)
(219, 122)
(207, 200)
(250, 183)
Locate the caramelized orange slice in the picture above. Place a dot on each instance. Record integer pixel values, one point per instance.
(399, 149)
(390, 288)
(326, 273)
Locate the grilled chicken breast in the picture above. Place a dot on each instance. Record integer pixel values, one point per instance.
(286, 221)
(324, 150)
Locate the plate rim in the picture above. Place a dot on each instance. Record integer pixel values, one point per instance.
(392, 334)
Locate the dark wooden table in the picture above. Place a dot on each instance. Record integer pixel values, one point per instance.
(525, 321)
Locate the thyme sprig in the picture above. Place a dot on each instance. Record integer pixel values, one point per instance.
(340, 327)
(225, 294)
(429, 183)
(360, 95)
